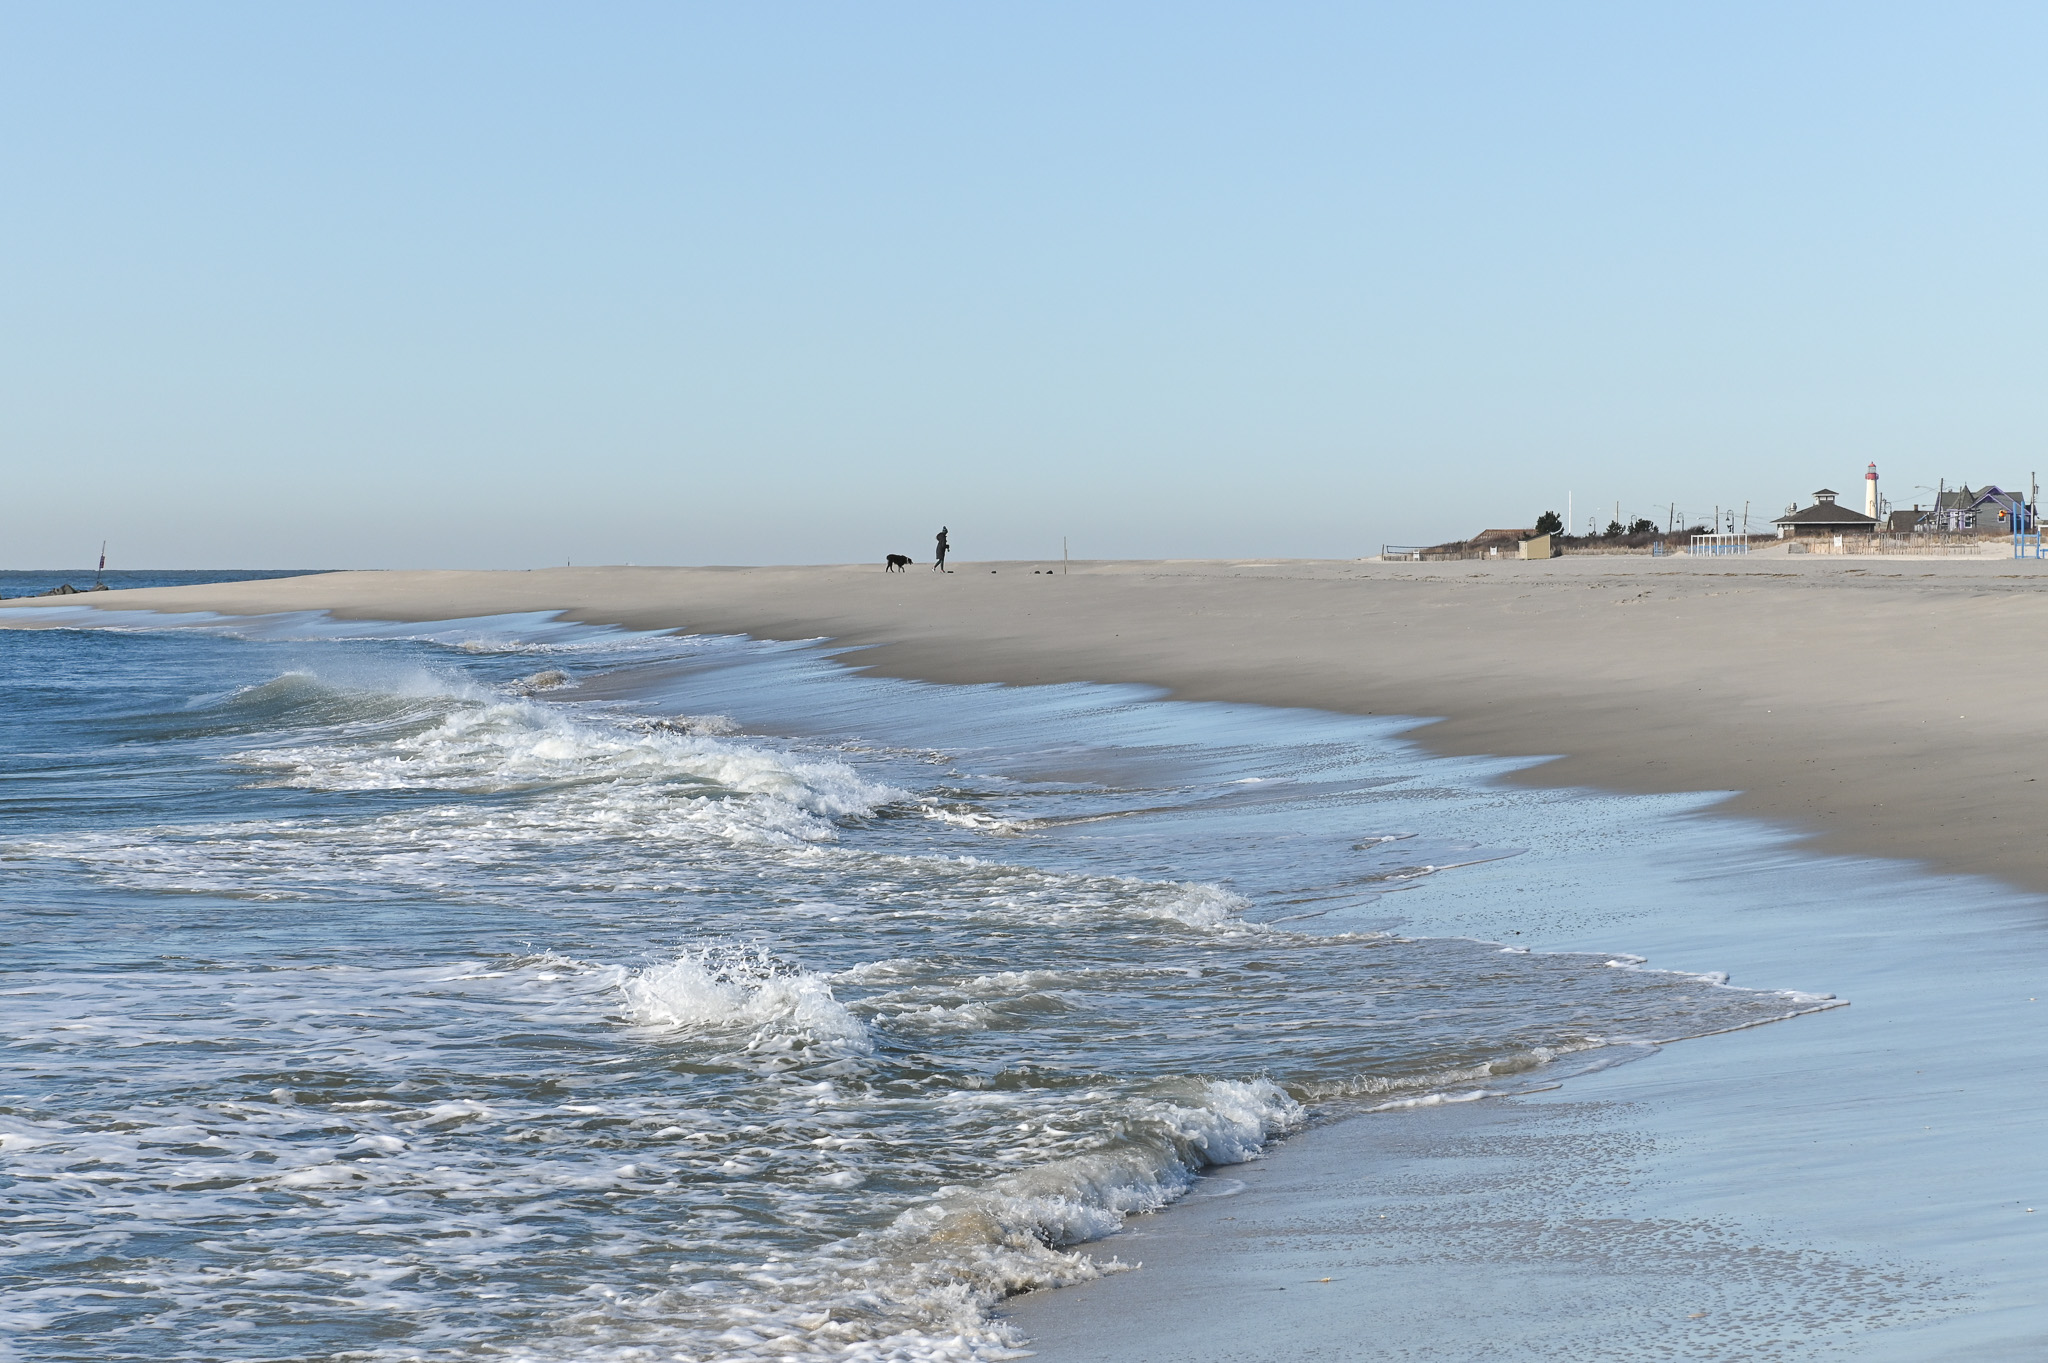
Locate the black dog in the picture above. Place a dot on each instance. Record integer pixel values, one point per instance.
(896, 563)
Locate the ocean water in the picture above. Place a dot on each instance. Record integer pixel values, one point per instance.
(519, 990)
(35, 581)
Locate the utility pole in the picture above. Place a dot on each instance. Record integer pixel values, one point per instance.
(1063, 555)
(1671, 518)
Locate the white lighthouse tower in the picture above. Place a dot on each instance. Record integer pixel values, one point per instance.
(1870, 491)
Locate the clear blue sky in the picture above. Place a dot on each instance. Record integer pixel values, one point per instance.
(510, 284)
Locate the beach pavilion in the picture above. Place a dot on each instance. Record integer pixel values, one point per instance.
(1825, 517)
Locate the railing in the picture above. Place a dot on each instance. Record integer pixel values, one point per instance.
(1719, 544)
(1955, 546)
(1412, 552)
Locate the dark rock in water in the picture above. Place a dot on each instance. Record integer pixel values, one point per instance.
(544, 681)
(63, 589)
(99, 587)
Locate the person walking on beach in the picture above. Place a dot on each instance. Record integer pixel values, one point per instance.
(939, 564)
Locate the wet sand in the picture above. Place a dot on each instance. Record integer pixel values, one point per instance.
(1866, 1183)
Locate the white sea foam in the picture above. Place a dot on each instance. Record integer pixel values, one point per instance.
(733, 987)
(917, 1289)
(1430, 1082)
(1440, 1099)
(1198, 906)
(479, 746)
(942, 1263)
(585, 780)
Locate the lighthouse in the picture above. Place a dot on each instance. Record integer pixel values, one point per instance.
(1870, 491)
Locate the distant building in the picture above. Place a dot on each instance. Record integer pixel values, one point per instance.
(1825, 517)
(1988, 510)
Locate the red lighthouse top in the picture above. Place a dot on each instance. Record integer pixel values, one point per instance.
(1873, 470)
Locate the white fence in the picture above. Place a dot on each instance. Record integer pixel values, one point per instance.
(1719, 544)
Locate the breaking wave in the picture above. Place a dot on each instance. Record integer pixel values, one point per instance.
(496, 987)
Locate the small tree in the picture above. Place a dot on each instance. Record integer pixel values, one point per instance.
(1643, 526)
(1615, 528)
(1549, 523)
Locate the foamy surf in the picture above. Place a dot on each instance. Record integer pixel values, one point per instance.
(732, 988)
(518, 988)
(460, 739)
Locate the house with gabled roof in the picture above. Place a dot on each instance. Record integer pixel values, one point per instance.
(1825, 517)
(1988, 510)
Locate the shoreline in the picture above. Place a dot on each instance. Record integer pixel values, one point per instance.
(1862, 1183)
(1791, 1173)
(1878, 707)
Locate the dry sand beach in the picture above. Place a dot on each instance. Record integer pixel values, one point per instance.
(1858, 1183)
